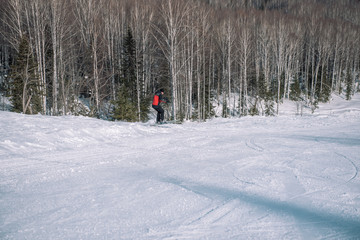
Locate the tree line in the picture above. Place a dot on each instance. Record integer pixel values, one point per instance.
(247, 56)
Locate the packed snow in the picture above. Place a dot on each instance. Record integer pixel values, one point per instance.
(284, 177)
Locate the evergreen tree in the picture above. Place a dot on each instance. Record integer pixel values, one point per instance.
(253, 109)
(128, 63)
(262, 86)
(224, 109)
(209, 99)
(295, 90)
(126, 99)
(24, 86)
(282, 85)
(145, 107)
(269, 105)
(325, 88)
(322, 93)
(124, 109)
(269, 96)
(243, 106)
(349, 86)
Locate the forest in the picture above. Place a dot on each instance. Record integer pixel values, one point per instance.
(106, 58)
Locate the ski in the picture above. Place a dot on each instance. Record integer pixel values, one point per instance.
(173, 122)
(159, 125)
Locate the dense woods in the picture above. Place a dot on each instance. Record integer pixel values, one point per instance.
(106, 58)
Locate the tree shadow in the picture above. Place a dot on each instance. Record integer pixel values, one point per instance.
(346, 225)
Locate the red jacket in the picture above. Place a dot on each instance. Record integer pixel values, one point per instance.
(158, 98)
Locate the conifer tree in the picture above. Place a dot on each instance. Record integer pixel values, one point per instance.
(128, 65)
(144, 107)
(295, 95)
(24, 85)
(225, 108)
(208, 100)
(325, 89)
(253, 109)
(295, 91)
(243, 106)
(125, 102)
(269, 105)
(262, 86)
(124, 108)
(349, 87)
(282, 85)
(269, 94)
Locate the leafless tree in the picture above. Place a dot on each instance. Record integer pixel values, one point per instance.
(170, 36)
(141, 17)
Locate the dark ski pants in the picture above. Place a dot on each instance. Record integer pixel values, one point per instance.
(160, 113)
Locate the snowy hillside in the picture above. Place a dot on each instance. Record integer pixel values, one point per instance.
(287, 177)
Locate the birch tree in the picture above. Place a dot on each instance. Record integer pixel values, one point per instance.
(35, 17)
(13, 19)
(90, 22)
(202, 27)
(170, 36)
(141, 18)
(225, 37)
(280, 46)
(25, 95)
(264, 38)
(245, 48)
(55, 19)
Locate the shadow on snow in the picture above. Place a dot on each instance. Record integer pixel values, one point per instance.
(349, 227)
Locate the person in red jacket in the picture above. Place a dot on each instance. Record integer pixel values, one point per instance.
(158, 99)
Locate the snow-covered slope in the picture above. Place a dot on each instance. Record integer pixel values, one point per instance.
(287, 177)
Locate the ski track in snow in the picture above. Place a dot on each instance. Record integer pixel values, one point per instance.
(356, 169)
(250, 178)
(251, 144)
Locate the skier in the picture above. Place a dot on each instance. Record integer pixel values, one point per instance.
(159, 98)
